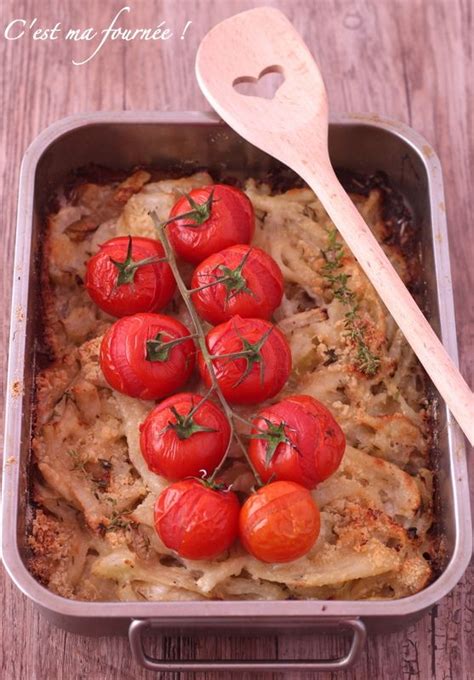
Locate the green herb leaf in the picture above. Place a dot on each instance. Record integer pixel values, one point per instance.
(118, 521)
(78, 461)
(365, 360)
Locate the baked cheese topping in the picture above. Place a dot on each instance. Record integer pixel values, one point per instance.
(92, 536)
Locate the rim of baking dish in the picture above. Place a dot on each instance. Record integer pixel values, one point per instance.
(235, 609)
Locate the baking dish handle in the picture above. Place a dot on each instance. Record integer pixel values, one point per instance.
(355, 625)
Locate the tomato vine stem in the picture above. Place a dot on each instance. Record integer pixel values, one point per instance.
(128, 268)
(201, 340)
(221, 279)
(233, 280)
(200, 211)
(157, 350)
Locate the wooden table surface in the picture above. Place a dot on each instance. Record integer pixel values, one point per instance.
(406, 59)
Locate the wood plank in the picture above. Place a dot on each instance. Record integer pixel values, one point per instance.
(407, 59)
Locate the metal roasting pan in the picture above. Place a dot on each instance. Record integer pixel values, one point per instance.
(360, 143)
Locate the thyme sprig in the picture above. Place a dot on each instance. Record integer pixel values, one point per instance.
(79, 461)
(366, 361)
(201, 341)
(118, 520)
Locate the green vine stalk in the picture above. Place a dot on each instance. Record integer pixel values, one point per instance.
(201, 340)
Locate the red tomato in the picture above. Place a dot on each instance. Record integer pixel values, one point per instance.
(262, 363)
(139, 355)
(300, 441)
(184, 435)
(279, 523)
(222, 216)
(197, 521)
(125, 277)
(251, 284)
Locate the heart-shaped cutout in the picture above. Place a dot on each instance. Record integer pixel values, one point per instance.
(265, 86)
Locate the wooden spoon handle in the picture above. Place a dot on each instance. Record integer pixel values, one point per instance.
(397, 298)
(293, 128)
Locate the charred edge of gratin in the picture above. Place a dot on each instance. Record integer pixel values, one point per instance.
(401, 235)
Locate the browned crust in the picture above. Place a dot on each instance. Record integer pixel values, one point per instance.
(45, 536)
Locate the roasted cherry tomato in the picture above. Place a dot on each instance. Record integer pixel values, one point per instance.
(148, 356)
(296, 439)
(126, 276)
(251, 359)
(196, 520)
(218, 216)
(183, 436)
(279, 523)
(240, 280)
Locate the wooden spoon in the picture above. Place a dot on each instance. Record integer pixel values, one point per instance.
(293, 127)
